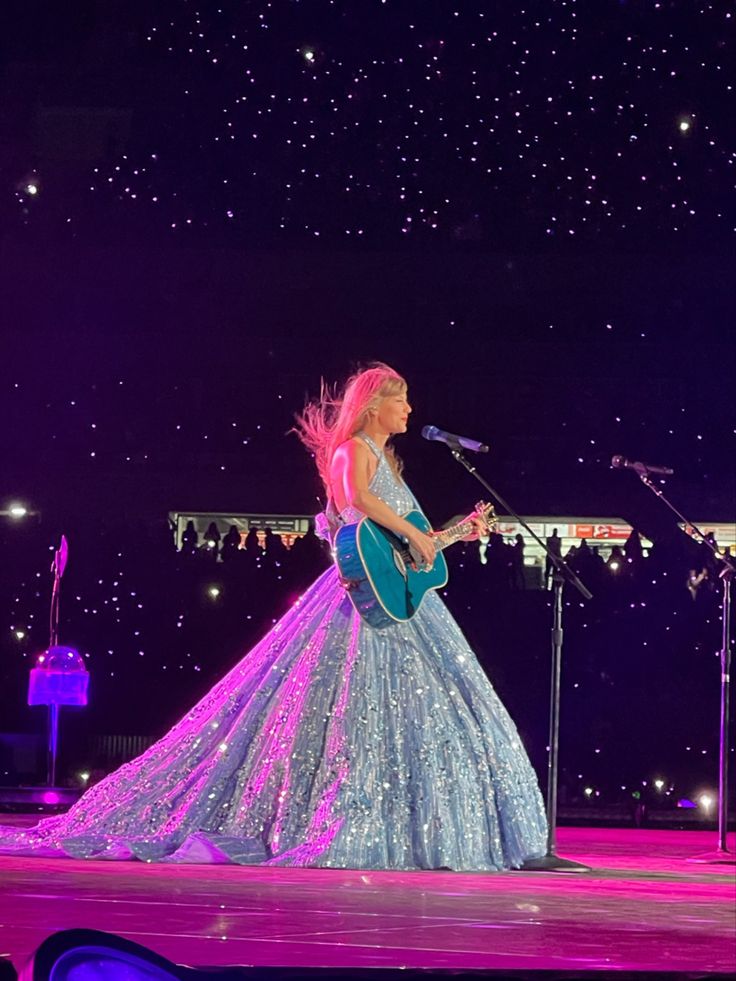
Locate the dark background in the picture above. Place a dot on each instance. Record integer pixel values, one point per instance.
(502, 204)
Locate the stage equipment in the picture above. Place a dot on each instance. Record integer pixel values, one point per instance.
(91, 955)
(721, 855)
(550, 862)
(60, 676)
(381, 573)
(72, 955)
(462, 442)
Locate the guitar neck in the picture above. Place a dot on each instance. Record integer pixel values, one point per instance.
(453, 534)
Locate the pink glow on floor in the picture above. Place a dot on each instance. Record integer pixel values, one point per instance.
(644, 907)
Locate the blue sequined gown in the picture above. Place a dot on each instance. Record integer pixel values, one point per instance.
(329, 744)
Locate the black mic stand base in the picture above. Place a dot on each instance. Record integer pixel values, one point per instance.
(549, 862)
(553, 863)
(721, 854)
(718, 857)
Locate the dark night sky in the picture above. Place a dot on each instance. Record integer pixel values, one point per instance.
(528, 211)
(527, 208)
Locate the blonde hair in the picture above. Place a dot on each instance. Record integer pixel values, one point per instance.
(337, 415)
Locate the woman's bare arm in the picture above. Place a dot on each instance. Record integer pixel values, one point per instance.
(350, 468)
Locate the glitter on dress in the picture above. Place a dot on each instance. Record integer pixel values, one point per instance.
(330, 744)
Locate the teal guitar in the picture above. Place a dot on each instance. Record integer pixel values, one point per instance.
(380, 573)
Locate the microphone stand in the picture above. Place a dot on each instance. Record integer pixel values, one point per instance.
(550, 861)
(721, 855)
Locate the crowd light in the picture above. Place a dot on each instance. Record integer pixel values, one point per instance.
(16, 511)
(659, 784)
(213, 592)
(706, 802)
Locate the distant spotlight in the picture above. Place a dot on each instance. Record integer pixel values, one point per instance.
(20, 634)
(659, 784)
(214, 591)
(31, 189)
(706, 802)
(84, 776)
(588, 791)
(614, 566)
(684, 125)
(211, 543)
(17, 511)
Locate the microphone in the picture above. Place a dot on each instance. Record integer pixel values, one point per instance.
(453, 441)
(621, 463)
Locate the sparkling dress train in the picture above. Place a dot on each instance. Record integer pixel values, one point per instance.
(330, 744)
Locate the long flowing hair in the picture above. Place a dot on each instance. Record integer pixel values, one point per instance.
(338, 414)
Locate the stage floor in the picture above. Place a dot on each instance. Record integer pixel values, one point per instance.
(643, 907)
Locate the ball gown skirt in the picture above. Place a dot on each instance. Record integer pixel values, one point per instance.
(330, 744)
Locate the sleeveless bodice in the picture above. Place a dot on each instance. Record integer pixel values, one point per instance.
(384, 484)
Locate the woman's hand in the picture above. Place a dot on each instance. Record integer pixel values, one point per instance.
(422, 547)
(480, 528)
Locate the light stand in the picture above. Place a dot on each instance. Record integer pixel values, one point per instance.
(721, 855)
(550, 861)
(57, 567)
